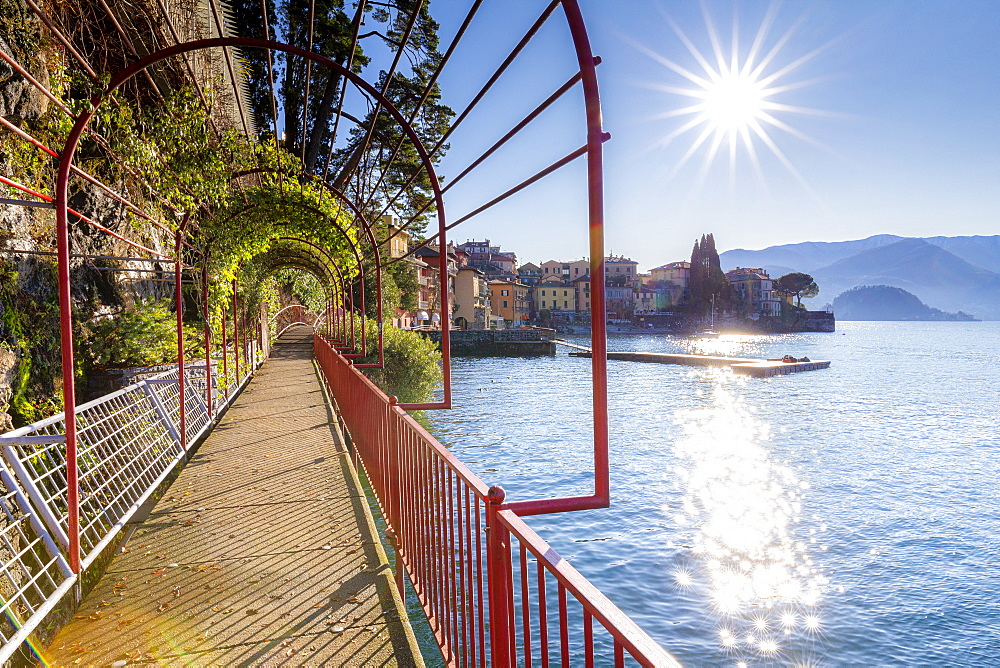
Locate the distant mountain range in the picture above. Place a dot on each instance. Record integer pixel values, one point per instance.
(948, 273)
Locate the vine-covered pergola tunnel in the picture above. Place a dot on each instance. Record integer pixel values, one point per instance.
(201, 151)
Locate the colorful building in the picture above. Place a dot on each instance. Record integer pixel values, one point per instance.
(566, 271)
(756, 288)
(429, 301)
(582, 285)
(472, 299)
(489, 259)
(399, 240)
(620, 270)
(509, 300)
(554, 294)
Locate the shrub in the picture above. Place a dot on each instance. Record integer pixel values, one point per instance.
(412, 364)
(144, 335)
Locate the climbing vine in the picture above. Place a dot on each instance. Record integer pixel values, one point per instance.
(242, 200)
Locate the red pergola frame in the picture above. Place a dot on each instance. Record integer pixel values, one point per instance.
(593, 150)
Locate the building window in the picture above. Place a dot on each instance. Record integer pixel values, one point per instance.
(504, 293)
(543, 293)
(505, 303)
(565, 304)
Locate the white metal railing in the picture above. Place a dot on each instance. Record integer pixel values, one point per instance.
(34, 575)
(128, 442)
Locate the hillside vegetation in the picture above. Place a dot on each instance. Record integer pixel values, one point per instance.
(885, 302)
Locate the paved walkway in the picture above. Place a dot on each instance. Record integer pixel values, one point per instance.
(261, 552)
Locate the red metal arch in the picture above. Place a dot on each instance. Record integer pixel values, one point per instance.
(367, 227)
(359, 218)
(337, 226)
(331, 291)
(364, 338)
(300, 262)
(361, 271)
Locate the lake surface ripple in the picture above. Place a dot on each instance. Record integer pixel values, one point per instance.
(845, 516)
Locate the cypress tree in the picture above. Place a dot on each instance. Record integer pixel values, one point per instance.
(696, 277)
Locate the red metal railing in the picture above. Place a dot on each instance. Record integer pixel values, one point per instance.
(487, 604)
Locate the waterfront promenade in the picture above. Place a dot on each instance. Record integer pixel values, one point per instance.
(261, 552)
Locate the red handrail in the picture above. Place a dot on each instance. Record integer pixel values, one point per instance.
(455, 538)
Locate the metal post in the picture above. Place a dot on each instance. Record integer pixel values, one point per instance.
(225, 355)
(595, 207)
(349, 297)
(179, 307)
(394, 492)
(208, 337)
(364, 334)
(498, 566)
(236, 337)
(69, 388)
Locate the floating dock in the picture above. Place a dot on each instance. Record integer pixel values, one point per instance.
(741, 365)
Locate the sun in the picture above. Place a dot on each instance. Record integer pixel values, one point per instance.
(732, 102)
(731, 95)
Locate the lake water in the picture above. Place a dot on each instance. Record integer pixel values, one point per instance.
(841, 516)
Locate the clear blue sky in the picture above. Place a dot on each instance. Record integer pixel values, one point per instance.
(902, 135)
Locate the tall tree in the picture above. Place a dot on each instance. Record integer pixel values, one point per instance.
(332, 34)
(716, 282)
(248, 21)
(798, 285)
(706, 278)
(363, 164)
(696, 279)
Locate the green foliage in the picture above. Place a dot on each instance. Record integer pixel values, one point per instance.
(305, 288)
(29, 326)
(144, 335)
(399, 290)
(18, 32)
(404, 275)
(798, 285)
(169, 158)
(412, 364)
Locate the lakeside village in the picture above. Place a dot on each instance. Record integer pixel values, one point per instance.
(489, 290)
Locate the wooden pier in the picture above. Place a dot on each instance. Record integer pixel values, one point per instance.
(741, 365)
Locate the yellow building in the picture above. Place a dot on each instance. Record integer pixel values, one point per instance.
(554, 294)
(399, 245)
(567, 271)
(582, 285)
(676, 273)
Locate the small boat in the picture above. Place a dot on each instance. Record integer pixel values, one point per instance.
(709, 333)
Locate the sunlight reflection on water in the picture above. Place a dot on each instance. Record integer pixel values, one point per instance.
(727, 345)
(742, 513)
